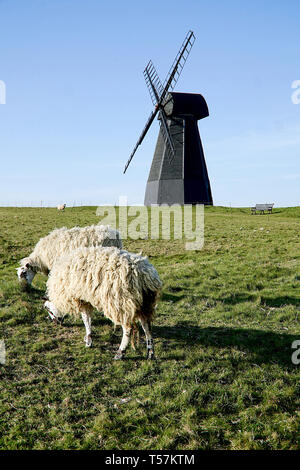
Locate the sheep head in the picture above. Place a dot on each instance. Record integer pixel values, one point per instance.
(26, 273)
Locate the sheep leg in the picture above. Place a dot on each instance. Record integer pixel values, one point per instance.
(124, 343)
(86, 318)
(149, 340)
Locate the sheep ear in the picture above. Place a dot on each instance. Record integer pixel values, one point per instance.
(27, 265)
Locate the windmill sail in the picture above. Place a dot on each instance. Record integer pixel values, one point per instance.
(156, 90)
(170, 148)
(159, 93)
(141, 138)
(153, 83)
(179, 61)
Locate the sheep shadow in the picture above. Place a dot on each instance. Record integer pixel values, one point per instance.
(263, 347)
(234, 299)
(167, 297)
(280, 301)
(98, 320)
(32, 293)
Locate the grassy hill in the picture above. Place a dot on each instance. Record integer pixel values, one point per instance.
(223, 376)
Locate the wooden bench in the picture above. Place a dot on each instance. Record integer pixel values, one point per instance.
(262, 208)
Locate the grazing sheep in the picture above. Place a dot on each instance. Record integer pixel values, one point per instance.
(125, 286)
(61, 207)
(61, 241)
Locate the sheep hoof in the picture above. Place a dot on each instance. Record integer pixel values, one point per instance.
(88, 341)
(150, 354)
(119, 355)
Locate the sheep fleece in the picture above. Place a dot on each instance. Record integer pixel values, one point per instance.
(63, 240)
(125, 286)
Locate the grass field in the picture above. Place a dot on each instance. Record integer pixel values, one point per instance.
(223, 376)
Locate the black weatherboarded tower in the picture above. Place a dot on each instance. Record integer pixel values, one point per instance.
(178, 172)
(185, 180)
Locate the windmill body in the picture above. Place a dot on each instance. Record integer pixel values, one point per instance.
(185, 179)
(178, 172)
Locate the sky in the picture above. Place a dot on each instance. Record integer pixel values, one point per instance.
(76, 100)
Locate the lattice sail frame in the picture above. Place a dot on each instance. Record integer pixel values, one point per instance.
(158, 93)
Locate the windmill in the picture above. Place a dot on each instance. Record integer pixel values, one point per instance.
(178, 172)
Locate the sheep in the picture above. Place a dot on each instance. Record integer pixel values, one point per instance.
(61, 207)
(61, 241)
(125, 286)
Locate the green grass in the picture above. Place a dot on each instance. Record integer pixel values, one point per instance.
(223, 377)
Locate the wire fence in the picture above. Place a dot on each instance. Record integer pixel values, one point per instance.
(47, 203)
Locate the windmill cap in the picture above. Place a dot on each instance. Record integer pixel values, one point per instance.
(186, 104)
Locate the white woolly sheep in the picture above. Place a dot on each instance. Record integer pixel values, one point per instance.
(123, 285)
(61, 241)
(61, 207)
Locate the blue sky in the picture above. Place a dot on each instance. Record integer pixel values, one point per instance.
(76, 100)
